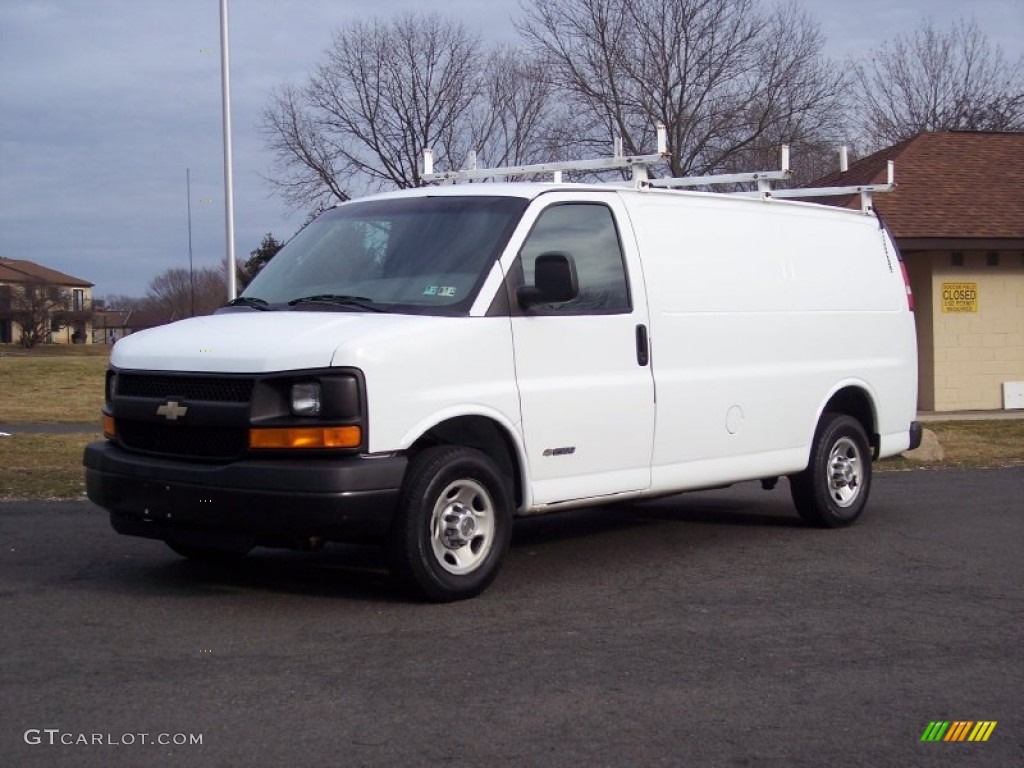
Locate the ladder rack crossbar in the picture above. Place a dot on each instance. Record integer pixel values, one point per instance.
(677, 182)
(829, 191)
(865, 191)
(862, 189)
(601, 163)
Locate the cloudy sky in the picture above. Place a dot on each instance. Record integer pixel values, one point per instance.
(105, 103)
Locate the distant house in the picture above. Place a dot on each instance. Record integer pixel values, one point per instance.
(111, 325)
(43, 304)
(958, 218)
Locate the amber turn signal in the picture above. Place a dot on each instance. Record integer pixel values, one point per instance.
(306, 437)
(108, 427)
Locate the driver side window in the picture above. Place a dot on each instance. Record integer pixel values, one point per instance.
(587, 232)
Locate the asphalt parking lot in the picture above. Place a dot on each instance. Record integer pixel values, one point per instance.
(709, 629)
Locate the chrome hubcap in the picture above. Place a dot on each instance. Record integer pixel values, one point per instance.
(459, 526)
(462, 526)
(845, 471)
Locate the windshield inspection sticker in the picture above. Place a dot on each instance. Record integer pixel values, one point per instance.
(439, 290)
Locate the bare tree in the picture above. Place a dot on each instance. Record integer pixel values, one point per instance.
(513, 122)
(171, 292)
(725, 77)
(38, 308)
(390, 89)
(939, 81)
(120, 301)
(309, 171)
(387, 90)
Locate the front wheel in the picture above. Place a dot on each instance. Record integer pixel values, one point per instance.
(453, 526)
(834, 488)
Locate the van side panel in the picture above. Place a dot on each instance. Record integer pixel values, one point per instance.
(760, 311)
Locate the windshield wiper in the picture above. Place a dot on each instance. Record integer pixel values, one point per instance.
(338, 300)
(249, 301)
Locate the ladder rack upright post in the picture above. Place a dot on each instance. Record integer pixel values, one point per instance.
(761, 178)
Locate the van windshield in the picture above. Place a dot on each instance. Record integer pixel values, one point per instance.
(425, 255)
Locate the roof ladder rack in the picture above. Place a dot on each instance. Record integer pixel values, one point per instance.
(763, 179)
(864, 190)
(638, 164)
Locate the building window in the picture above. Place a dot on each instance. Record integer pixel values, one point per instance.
(992, 259)
(958, 258)
(78, 299)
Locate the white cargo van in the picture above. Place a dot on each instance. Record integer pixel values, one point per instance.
(420, 367)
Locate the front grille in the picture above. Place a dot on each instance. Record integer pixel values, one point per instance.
(216, 389)
(200, 442)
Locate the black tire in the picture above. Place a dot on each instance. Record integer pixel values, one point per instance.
(208, 554)
(834, 489)
(453, 525)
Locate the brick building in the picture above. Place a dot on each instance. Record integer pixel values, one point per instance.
(958, 217)
(111, 325)
(27, 287)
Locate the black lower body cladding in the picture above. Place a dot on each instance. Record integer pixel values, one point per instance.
(347, 499)
(916, 434)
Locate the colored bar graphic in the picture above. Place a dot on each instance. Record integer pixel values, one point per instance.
(982, 730)
(958, 730)
(935, 730)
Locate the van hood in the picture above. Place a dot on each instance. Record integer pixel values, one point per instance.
(257, 342)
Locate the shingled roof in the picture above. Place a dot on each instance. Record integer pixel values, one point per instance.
(956, 185)
(21, 271)
(128, 319)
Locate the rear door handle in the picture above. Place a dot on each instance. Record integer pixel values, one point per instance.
(643, 356)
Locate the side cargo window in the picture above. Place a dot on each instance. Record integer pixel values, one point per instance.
(587, 232)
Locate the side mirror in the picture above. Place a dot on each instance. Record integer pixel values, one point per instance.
(554, 278)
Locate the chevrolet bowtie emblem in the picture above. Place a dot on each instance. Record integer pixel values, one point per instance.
(171, 410)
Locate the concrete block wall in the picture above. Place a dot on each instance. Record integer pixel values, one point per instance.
(973, 353)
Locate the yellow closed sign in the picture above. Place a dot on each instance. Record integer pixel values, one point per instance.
(959, 297)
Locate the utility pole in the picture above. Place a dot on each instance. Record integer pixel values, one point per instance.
(229, 195)
(191, 272)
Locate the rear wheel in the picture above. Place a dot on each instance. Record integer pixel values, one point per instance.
(453, 526)
(834, 488)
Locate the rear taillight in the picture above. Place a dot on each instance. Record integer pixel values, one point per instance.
(906, 284)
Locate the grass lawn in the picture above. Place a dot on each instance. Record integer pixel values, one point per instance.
(989, 443)
(57, 350)
(52, 383)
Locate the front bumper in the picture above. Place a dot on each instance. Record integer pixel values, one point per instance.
(273, 501)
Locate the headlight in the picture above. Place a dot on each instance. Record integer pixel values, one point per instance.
(111, 386)
(305, 400)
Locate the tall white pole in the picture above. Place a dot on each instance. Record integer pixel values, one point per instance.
(191, 271)
(229, 186)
